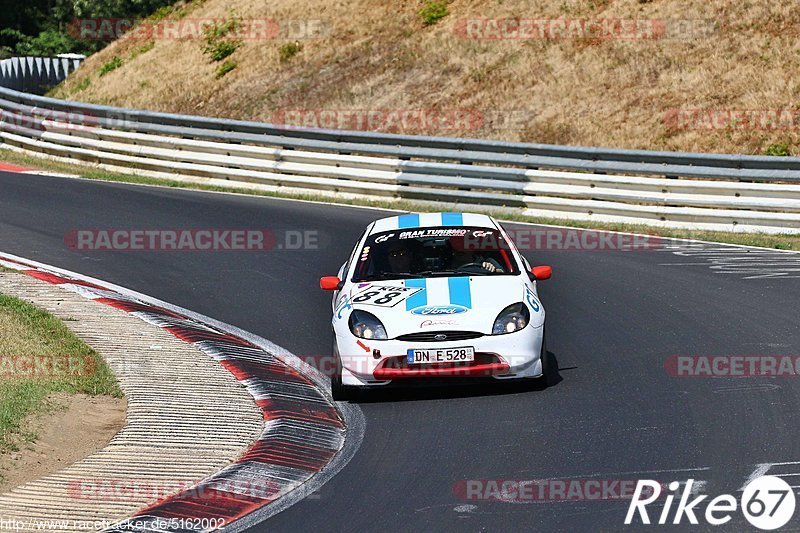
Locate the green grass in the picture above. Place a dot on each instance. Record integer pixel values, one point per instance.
(83, 84)
(780, 241)
(221, 49)
(220, 30)
(433, 12)
(161, 13)
(30, 334)
(778, 150)
(139, 50)
(288, 51)
(113, 64)
(218, 45)
(227, 66)
(173, 12)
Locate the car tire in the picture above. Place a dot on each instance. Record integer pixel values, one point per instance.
(546, 379)
(339, 392)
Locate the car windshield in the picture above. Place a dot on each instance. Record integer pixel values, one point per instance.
(435, 252)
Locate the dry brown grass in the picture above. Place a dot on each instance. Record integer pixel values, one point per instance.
(380, 55)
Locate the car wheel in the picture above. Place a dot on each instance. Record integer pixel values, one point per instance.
(339, 391)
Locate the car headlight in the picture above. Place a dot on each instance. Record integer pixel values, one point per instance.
(367, 326)
(513, 318)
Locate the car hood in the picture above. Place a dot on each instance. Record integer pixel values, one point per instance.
(443, 304)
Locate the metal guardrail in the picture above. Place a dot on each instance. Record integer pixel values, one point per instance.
(736, 192)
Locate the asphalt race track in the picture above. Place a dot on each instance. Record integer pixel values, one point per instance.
(613, 319)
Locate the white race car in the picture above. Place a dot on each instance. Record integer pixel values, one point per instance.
(435, 295)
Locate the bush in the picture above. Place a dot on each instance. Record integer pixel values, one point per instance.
(289, 50)
(220, 30)
(113, 64)
(161, 13)
(778, 150)
(9, 37)
(433, 12)
(48, 43)
(217, 45)
(222, 49)
(225, 67)
(42, 27)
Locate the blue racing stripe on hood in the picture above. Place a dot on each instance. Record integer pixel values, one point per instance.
(460, 293)
(408, 221)
(452, 219)
(421, 298)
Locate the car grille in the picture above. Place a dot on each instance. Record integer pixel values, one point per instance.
(481, 358)
(430, 336)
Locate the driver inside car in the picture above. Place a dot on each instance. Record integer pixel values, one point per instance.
(400, 258)
(462, 258)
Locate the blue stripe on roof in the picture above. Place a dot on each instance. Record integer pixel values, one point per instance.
(421, 298)
(408, 221)
(460, 293)
(452, 219)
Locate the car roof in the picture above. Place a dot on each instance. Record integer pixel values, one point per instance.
(432, 220)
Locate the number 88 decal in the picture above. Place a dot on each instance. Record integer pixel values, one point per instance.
(387, 297)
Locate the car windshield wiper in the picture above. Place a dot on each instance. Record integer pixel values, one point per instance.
(382, 276)
(458, 272)
(427, 273)
(389, 275)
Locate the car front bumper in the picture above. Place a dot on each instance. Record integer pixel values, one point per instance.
(376, 363)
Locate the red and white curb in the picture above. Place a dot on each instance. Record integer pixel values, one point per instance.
(16, 169)
(8, 167)
(307, 438)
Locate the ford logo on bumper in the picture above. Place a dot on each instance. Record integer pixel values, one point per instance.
(436, 310)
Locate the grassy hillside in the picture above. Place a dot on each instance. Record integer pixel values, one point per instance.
(370, 55)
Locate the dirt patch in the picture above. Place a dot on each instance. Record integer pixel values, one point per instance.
(73, 427)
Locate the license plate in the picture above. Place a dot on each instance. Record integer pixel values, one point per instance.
(441, 355)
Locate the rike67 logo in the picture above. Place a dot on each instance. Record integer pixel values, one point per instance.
(767, 502)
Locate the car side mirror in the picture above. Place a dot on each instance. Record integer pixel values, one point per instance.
(542, 272)
(330, 283)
